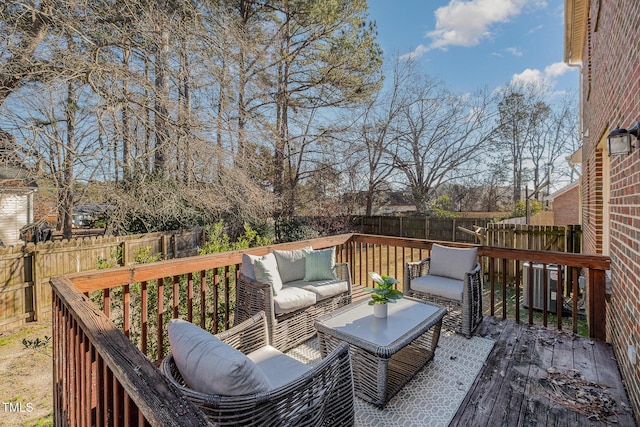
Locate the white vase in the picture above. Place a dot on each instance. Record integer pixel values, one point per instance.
(380, 311)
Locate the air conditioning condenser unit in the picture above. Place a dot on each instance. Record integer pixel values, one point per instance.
(537, 283)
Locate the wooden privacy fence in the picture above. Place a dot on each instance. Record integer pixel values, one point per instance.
(445, 229)
(564, 238)
(25, 270)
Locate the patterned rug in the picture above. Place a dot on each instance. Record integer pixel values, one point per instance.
(431, 398)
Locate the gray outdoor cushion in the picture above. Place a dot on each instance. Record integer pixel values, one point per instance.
(322, 288)
(266, 270)
(445, 287)
(452, 262)
(279, 368)
(291, 263)
(247, 265)
(291, 298)
(211, 366)
(320, 265)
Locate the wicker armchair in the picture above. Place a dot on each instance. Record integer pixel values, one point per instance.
(443, 278)
(287, 330)
(322, 396)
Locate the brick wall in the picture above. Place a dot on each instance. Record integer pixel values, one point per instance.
(565, 207)
(611, 96)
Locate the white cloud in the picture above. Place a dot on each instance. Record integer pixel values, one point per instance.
(537, 78)
(514, 51)
(417, 53)
(467, 23)
(557, 69)
(529, 77)
(536, 29)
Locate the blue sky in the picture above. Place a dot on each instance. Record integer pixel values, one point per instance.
(476, 44)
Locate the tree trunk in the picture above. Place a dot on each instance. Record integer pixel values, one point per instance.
(161, 97)
(20, 61)
(126, 126)
(67, 179)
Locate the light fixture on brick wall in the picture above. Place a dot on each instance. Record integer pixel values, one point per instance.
(619, 140)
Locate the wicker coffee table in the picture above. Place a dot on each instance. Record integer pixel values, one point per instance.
(385, 353)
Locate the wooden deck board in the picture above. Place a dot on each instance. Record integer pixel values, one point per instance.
(512, 389)
(480, 400)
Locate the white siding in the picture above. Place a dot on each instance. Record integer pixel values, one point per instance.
(14, 214)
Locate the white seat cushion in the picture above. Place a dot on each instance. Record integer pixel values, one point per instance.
(322, 288)
(279, 368)
(211, 366)
(437, 285)
(452, 262)
(292, 298)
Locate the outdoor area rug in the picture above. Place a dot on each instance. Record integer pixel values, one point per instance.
(431, 398)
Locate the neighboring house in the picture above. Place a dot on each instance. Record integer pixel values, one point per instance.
(565, 204)
(85, 215)
(602, 38)
(17, 191)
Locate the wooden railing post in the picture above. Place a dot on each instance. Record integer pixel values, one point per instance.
(596, 280)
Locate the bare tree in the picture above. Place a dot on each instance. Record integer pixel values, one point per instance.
(552, 141)
(440, 136)
(372, 137)
(23, 27)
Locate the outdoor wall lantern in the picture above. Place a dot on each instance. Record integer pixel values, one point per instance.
(619, 140)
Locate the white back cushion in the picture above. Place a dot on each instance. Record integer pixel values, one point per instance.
(247, 266)
(211, 366)
(266, 269)
(291, 263)
(452, 262)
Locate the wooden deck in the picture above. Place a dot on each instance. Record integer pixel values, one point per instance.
(544, 377)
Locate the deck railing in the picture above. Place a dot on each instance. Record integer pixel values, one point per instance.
(104, 349)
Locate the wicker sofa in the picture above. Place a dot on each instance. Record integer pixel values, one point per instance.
(300, 286)
(237, 379)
